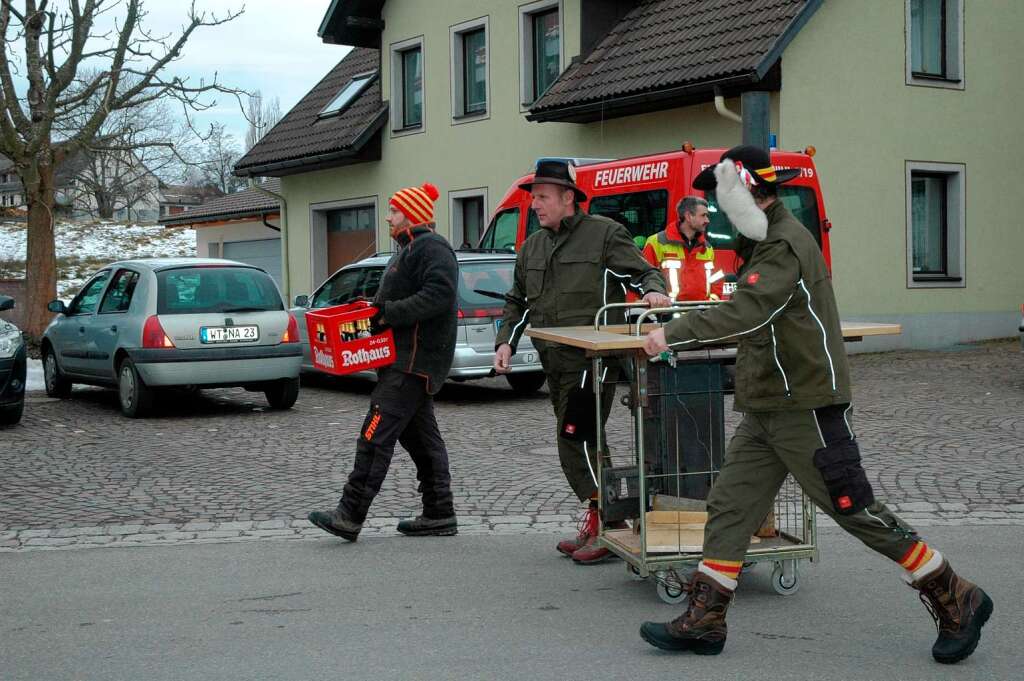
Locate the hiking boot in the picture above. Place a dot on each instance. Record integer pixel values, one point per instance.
(429, 527)
(590, 553)
(587, 530)
(701, 629)
(959, 609)
(337, 523)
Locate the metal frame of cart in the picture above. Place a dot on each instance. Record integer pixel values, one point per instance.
(796, 534)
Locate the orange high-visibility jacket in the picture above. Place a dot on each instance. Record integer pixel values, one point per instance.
(687, 272)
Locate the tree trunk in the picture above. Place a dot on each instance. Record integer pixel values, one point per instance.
(41, 265)
(104, 204)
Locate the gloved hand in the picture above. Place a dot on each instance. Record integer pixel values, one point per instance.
(377, 321)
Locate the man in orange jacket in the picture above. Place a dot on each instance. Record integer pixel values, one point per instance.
(686, 259)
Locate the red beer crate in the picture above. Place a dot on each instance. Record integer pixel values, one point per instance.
(340, 341)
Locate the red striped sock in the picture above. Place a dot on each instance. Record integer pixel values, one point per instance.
(725, 572)
(917, 557)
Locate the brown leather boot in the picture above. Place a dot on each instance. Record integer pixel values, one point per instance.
(959, 609)
(702, 628)
(590, 553)
(588, 527)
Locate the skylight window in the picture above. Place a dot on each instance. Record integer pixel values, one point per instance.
(348, 94)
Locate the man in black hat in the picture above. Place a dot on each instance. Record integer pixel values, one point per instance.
(793, 387)
(565, 273)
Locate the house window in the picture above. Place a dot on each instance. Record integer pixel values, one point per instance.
(470, 88)
(468, 208)
(935, 43)
(348, 94)
(407, 86)
(540, 48)
(936, 222)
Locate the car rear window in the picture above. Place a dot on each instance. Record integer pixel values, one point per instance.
(494, 276)
(197, 290)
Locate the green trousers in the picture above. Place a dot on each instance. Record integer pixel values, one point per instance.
(767, 446)
(571, 454)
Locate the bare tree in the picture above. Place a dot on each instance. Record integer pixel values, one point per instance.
(62, 113)
(262, 117)
(217, 160)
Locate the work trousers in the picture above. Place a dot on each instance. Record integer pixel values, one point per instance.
(571, 453)
(767, 446)
(401, 410)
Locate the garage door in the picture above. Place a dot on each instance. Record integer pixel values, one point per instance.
(264, 253)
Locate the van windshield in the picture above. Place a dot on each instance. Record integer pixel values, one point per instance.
(801, 202)
(197, 290)
(501, 233)
(642, 213)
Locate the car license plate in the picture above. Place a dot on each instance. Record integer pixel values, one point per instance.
(497, 325)
(229, 334)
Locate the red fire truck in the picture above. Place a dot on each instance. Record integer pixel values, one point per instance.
(641, 193)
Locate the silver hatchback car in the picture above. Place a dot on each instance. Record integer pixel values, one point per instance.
(479, 314)
(138, 325)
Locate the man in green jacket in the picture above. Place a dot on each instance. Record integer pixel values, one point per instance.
(793, 388)
(564, 274)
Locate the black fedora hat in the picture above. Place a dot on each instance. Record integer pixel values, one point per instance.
(753, 159)
(555, 171)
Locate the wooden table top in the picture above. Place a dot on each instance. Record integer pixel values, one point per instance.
(617, 338)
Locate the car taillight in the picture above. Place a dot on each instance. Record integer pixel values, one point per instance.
(153, 335)
(291, 334)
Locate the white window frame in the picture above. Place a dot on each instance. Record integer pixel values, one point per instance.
(526, 13)
(454, 211)
(954, 79)
(397, 94)
(956, 226)
(318, 232)
(457, 81)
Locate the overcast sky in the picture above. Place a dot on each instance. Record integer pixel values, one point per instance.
(271, 47)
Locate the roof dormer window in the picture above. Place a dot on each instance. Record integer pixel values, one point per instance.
(348, 94)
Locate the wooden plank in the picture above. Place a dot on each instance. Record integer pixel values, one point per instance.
(587, 338)
(662, 541)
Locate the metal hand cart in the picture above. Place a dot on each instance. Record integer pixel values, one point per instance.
(678, 436)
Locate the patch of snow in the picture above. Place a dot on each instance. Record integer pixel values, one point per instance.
(34, 378)
(82, 248)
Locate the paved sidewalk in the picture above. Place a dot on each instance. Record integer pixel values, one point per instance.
(941, 434)
(471, 609)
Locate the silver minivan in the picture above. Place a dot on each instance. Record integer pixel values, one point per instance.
(140, 325)
(479, 314)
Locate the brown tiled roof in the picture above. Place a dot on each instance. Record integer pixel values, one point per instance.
(670, 45)
(248, 203)
(302, 138)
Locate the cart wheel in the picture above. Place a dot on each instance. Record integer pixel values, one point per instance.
(634, 572)
(785, 579)
(669, 590)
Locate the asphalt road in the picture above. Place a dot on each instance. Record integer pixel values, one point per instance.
(470, 607)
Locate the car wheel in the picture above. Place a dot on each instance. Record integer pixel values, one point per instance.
(57, 385)
(11, 415)
(136, 399)
(282, 394)
(526, 383)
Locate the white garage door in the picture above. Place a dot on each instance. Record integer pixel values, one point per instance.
(264, 253)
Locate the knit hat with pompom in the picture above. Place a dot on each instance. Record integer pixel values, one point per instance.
(416, 203)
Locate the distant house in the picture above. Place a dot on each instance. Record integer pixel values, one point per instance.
(177, 198)
(244, 226)
(102, 186)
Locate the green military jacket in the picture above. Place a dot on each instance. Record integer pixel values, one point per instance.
(566, 276)
(784, 317)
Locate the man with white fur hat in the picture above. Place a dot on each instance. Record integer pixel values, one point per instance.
(793, 388)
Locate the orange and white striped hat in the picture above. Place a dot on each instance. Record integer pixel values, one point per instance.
(416, 203)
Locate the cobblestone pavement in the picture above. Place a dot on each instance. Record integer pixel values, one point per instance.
(941, 434)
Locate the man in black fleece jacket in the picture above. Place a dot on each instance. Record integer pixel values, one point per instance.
(417, 300)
